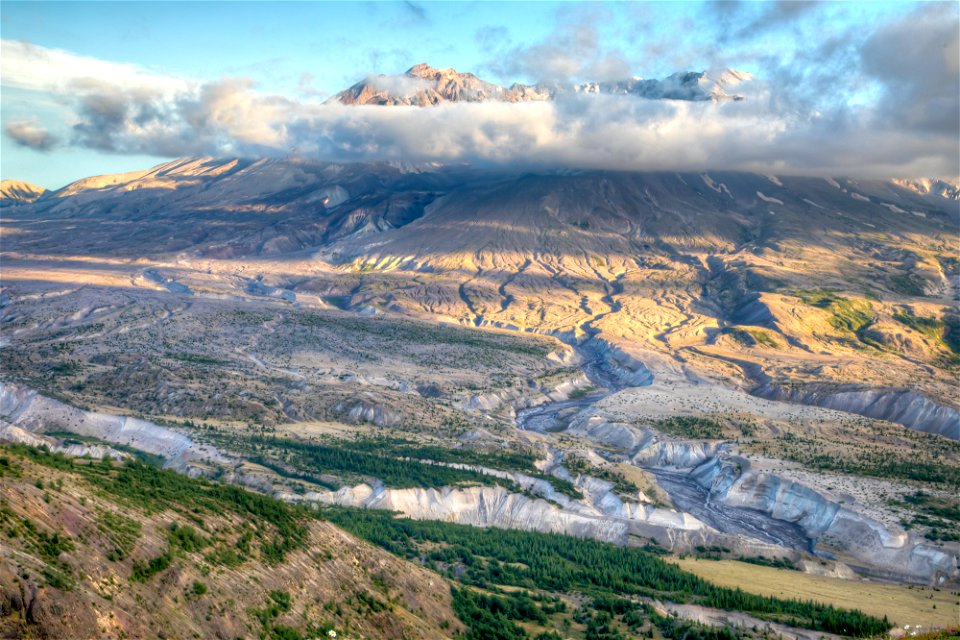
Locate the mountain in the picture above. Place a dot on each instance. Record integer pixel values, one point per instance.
(423, 85)
(14, 192)
(691, 86)
(949, 189)
(757, 281)
(715, 360)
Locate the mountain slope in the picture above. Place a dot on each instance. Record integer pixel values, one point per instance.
(13, 192)
(758, 281)
(134, 551)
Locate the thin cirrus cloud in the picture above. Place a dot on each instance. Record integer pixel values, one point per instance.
(910, 128)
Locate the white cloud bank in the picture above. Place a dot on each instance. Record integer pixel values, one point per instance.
(127, 109)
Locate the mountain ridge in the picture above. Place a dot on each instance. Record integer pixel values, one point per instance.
(422, 85)
(13, 192)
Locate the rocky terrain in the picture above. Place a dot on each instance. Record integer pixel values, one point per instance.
(693, 275)
(762, 366)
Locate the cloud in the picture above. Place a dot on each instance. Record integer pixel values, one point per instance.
(575, 52)
(745, 20)
(918, 62)
(29, 133)
(841, 106)
(28, 66)
(397, 85)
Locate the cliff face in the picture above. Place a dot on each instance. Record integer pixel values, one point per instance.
(726, 494)
(834, 528)
(34, 413)
(901, 406)
(610, 519)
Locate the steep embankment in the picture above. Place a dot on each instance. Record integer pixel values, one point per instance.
(723, 491)
(35, 413)
(901, 406)
(834, 528)
(609, 518)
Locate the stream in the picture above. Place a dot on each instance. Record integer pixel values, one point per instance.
(690, 497)
(684, 491)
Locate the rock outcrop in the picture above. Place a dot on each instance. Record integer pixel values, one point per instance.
(34, 413)
(901, 406)
(836, 529)
(611, 520)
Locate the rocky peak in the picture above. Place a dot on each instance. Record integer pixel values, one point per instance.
(424, 85)
(945, 188)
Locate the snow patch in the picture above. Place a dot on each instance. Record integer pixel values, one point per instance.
(768, 199)
(894, 208)
(718, 187)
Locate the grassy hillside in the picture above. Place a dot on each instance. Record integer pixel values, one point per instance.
(902, 604)
(106, 550)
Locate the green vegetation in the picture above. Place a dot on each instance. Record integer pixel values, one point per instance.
(48, 546)
(944, 334)
(694, 427)
(578, 465)
(69, 438)
(393, 471)
(286, 472)
(908, 284)
(930, 327)
(944, 508)
(185, 538)
(849, 316)
(640, 619)
(776, 563)
(750, 337)
(924, 460)
(521, 574)
(123, 533)
(398, 462)
(820, 298)
(143, 571)
(490, 617)
(281, 527)
(279, 602)
(488, 558)
(705, 427)
(939, 515)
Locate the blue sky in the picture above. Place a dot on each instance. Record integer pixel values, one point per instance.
(305, 51)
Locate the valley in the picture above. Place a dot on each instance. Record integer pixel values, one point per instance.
(723, 364)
